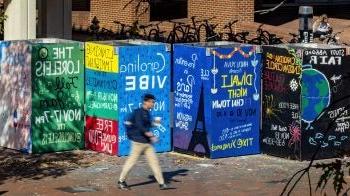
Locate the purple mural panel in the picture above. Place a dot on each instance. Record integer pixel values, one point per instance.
(15, 94)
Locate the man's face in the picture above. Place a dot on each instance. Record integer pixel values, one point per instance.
(149, 103)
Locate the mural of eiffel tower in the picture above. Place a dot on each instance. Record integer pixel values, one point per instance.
(199, 134)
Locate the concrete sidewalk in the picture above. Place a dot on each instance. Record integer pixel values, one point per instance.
(90, 173)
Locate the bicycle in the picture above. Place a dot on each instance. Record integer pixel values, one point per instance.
(155, 34)
(125, 31)
(265, 38)
(210, 34)
(240, 37)
(122, 30)
(195, 28)
(181, 33)
(295, 38)
(107, 34)
(332, 39)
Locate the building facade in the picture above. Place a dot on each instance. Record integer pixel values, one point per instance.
(108, 11)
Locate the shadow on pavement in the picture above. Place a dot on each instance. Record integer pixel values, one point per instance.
(168, 177)
(16, 165)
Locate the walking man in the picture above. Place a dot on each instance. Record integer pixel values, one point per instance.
(138, 130)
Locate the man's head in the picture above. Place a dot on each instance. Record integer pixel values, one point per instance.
(324, 18)
(148, 101)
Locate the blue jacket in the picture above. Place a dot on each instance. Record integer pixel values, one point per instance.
(141, 123)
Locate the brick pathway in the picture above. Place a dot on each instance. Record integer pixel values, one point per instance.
(90, 173)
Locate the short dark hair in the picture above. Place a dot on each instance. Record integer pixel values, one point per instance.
(148, 96)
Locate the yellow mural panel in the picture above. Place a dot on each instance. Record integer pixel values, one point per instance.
(101, 57)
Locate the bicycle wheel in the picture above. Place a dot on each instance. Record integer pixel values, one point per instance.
(255, 41)
(191, 39)
(171, 38)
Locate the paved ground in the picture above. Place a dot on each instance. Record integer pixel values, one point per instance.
(90, 173)
(283, 30)
(285, 20)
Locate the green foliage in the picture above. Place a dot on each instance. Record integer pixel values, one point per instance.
(333, 170)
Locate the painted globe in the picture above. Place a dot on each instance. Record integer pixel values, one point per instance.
(315, 94)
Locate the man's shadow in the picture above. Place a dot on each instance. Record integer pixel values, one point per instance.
(168, 177)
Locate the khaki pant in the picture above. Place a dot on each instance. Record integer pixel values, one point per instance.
(136, 150)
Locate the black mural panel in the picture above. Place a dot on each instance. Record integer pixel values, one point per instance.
(281, 133)
(325, 101)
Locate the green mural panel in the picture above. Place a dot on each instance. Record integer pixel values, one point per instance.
(58, 97)
(102, 104)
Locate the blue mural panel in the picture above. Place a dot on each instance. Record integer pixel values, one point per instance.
(232, 100)
(101, 81)
(144, 69)
(219, 114)
(189, 134)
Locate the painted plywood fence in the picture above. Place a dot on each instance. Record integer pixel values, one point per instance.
(118, 74)
(305, 101)
(42, 95)
(217, 100)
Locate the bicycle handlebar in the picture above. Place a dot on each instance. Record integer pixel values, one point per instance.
(230, 23)
(260, 26)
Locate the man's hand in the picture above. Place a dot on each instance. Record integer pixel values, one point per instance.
(149, 134)
(154, 139)
(156, 122)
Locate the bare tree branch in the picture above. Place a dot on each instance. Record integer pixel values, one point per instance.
(138, 5)
(261, 12)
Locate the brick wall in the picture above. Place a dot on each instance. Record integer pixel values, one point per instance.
(81, 19)
(109, 10)
(223, 10)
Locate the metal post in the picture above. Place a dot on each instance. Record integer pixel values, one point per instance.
(305, 24)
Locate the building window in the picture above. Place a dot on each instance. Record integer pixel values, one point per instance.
(80, 5)
(168, 9)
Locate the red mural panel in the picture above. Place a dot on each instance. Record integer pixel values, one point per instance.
(101, 135)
